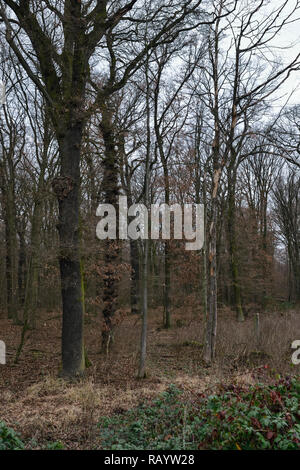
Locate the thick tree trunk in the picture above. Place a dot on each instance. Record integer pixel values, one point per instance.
(67, 188)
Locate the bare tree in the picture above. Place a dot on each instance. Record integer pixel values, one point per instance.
(237, 91)
(54, 43)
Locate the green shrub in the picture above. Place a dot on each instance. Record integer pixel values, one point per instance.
(260, 417)
(55, 446)
(9, 440)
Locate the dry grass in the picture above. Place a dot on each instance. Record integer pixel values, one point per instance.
(45, 408)
(240, 345)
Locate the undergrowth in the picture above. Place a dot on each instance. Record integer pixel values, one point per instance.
(259, 417)
(10, 440)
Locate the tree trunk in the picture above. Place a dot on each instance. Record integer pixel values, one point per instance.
(135, 271)
(265, 250)
(233, 256)
(211, 324)
(11, 253)
(112, 247)
(135, 276)
(67, 188)
(167, 315)
(22, 264)
(142, 364)
(33, 273)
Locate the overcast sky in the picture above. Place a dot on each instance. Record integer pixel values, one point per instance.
(290, 35)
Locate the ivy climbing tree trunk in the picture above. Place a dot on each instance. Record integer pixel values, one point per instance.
(10, 155)
(112, 247)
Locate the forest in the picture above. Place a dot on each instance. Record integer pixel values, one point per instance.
(150, 225)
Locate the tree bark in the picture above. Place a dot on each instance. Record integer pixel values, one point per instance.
(167, 273)
(9, 209)
(67, 188)
(211, 324)
(22, 264)
(112, 247)
(233, 256)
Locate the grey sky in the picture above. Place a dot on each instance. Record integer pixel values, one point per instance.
(290, 35)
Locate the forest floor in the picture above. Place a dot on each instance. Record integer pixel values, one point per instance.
(44, 408)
